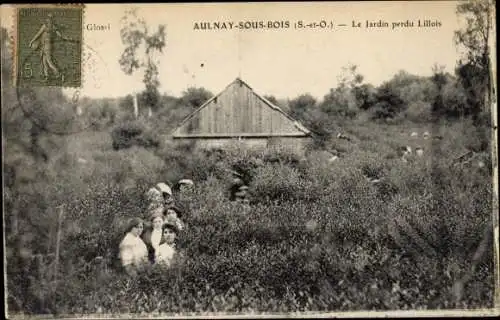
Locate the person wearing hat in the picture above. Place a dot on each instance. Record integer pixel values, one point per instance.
(236, 184)
(183, 192)
(154, 198)
(166, 250)
(183, 185)
(242, 193)
(167, 194)
(160, 196)
(153, 232)
(133, 252)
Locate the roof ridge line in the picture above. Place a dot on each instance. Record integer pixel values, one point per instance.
(295, 122)
(203, 105)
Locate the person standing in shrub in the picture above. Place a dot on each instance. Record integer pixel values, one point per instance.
(183, 192)
(159, 196)
(154, 199)
(153, 233)
(133, 251)
(242, 195)
(166, 251)
(183, 186)
(173, 216)
(168, 196)
(236, 184)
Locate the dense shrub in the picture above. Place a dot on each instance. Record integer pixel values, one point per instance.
(132, 133)
(317, 236)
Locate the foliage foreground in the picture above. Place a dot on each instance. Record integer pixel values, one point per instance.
(316, 237)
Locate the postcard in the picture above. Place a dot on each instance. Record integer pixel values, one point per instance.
(269, 160)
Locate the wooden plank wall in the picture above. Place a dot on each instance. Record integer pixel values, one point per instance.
(238, 110)
(295, 144)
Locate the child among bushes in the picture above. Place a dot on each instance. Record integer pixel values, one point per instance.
(166, 250)
(173, 216)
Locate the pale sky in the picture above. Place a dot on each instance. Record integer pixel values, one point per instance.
(281, 62)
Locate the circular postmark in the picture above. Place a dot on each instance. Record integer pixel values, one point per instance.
(59, 110)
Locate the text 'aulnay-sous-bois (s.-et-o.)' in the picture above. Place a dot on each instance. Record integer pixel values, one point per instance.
(319, 24)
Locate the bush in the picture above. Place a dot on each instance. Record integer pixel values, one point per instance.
(317, 237)
(277, 182)
(133, 133)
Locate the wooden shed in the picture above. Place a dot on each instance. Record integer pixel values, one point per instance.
(238, 113)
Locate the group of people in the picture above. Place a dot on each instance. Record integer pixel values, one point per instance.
(151, 241)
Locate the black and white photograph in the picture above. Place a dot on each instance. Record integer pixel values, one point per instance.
(253, 160)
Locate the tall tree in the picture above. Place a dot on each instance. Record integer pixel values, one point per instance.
(476, 75)
(474, 68)
(301, 104)
(195, 97)
(343, 100)
(389, 104)
(135, 35)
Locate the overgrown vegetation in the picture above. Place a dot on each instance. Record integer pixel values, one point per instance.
(315, 237)
(134, 133)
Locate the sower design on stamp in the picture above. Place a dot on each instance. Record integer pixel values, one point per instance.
(49, 46)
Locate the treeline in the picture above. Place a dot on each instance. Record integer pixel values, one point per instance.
(107, 112)
(404, 97)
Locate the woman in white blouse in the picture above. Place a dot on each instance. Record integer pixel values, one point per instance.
(153, 234)
(133, 251)
(166, 251)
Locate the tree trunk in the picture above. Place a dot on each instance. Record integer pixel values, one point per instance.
(136, 106)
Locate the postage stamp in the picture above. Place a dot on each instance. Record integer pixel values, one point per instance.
(48, 48)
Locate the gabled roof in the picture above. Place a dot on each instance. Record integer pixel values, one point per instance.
(296, 123)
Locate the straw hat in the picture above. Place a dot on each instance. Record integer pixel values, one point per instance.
(237, 182)
(164, 188)
(153, 194)
(186, 182)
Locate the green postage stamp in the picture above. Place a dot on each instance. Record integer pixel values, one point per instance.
(48, 45)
